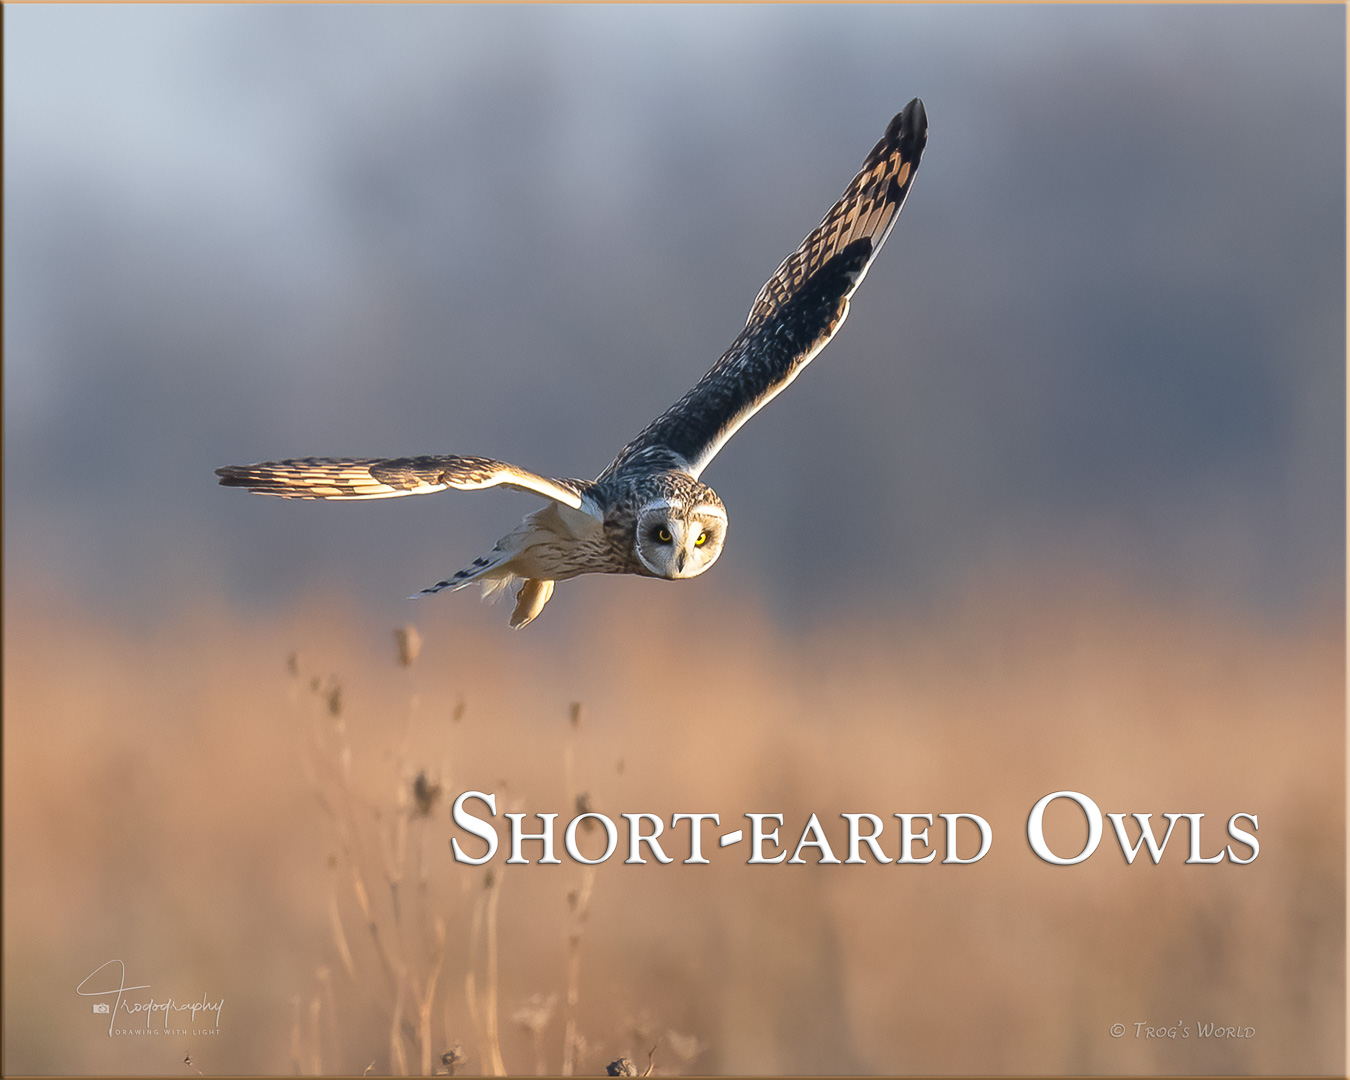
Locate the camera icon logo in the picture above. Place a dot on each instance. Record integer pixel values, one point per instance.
(101, 1007)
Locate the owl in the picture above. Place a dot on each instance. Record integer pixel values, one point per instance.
(648, 512)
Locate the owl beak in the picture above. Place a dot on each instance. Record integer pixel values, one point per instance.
(679, 562)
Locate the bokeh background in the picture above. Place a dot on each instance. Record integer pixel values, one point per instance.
(1062, 507)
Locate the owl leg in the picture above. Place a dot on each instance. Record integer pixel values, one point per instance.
(530, 601)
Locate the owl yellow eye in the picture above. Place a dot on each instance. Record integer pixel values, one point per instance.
(702, 539)
(663, 535)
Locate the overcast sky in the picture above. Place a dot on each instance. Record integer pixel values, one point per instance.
(1110, 322)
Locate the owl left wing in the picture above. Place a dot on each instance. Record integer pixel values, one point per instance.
(384, 478)
(794, 316)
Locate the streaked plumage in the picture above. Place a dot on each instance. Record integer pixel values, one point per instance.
(648, 513)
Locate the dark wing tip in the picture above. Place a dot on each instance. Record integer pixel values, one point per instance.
(233, 476)
(908, 130)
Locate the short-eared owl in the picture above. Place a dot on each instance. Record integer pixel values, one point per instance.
(648, 513)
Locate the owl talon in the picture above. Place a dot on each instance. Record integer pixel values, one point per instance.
(530, 600)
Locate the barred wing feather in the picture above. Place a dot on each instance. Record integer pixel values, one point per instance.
(794, 316)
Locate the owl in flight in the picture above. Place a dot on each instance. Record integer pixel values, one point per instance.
(648, 513)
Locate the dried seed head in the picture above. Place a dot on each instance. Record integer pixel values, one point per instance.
(293, 662)
(458, 714)
(409, 643)
(451, 1058)
(426, 793)
(333, 697)
(574, 713)
(621, 1067)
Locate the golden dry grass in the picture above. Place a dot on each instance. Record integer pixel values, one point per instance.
(179, 799)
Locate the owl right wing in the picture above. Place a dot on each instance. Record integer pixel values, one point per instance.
(385, 478)
(795, 315)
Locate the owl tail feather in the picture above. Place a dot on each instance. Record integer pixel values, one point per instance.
(531, 597)
(486, 568)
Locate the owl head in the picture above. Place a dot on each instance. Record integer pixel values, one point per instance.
(680, 532)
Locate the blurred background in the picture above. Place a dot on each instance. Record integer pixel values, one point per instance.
(1063, 505)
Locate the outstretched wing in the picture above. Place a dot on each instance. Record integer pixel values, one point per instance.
(385, 478)
(796, 313)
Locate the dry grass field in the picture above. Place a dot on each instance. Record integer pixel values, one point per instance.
(230, 804)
